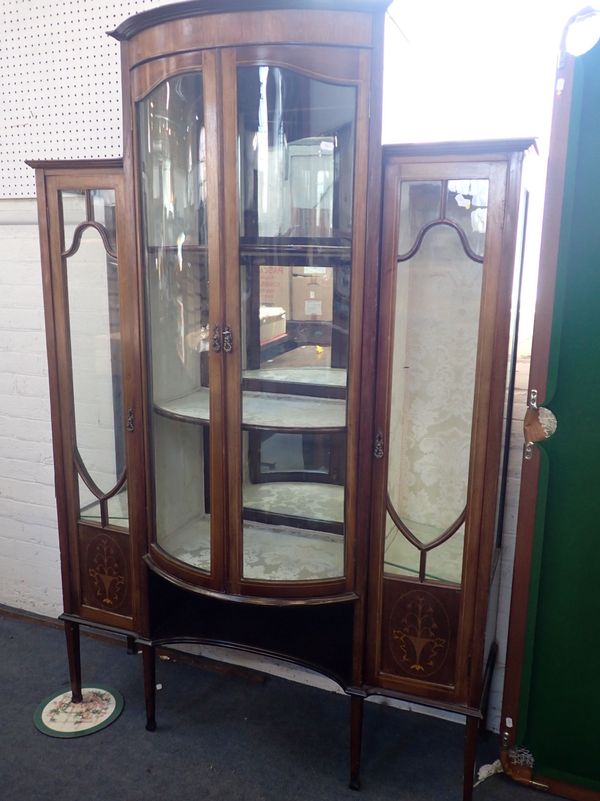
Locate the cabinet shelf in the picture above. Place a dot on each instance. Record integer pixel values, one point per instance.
(271, 553)
(292, 499)
(337, 247)
(263, 410)
(316, 376)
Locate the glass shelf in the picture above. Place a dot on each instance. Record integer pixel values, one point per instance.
(320, 376)
(339, 247)
(325, 501)
(264, 410)
(273, 553)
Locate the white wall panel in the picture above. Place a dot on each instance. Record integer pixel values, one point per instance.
(60, 94)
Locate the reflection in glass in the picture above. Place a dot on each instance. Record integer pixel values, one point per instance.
(172, 143)
(117, 505)
(296, 171)
(420, 204)
(296, 322)
(466, 204)
(172, 149)
(296, 139)
(92, 287)
(74, 210)
(436, 321)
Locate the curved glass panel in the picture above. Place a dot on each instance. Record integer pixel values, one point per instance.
(172, 154)
(436, 322)
(93, 296)
(296, 140)
(296, 173)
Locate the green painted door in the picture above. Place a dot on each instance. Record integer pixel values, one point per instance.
(558, 713)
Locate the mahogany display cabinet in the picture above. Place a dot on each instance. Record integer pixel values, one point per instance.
(279, 359)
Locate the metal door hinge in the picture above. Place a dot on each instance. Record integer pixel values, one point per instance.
(130, 420)
(227, 339)
(216, 339)
(378, 446)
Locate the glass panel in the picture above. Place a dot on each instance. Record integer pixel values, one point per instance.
(436, 321)
(466, 203)
(296, 171)
(420, 203)
(117, 507)
(94, 327)
(103, 212)
(296, 139)
(73, 208)
(296, 322)
(173, 186)
(444, 563)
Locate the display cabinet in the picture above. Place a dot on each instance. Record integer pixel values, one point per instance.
(262, 418)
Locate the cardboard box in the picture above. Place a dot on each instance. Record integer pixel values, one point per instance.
(312, 294)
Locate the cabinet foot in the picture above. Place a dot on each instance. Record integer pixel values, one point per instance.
(74, 658)
(149, 660)
(471, 732)
(356, 725)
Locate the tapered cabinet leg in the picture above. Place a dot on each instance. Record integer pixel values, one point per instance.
(74, 657)
(148, 657)
(356, 727)
(471, 732)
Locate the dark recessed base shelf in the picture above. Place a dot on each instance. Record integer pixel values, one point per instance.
(315, 636)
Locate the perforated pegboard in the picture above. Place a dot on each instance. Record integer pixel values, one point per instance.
(60, 93)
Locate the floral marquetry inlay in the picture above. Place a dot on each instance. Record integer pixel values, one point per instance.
(106, 569)
(420, 633)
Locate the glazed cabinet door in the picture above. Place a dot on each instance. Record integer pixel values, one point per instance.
(294, 135)
(252, 206)
(177, 166)
(95, 406)
(445, 306)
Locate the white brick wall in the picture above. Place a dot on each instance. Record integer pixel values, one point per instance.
(29, 557)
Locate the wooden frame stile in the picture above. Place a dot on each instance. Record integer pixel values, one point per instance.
(232, 317)
(491, 476)
(135, 380)
(51, 319)
(134, 233)
(217, 236)
(365, 394)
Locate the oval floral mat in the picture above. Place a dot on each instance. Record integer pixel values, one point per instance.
(58, 716)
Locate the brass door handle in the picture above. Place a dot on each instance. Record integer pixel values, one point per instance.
(539, 424)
